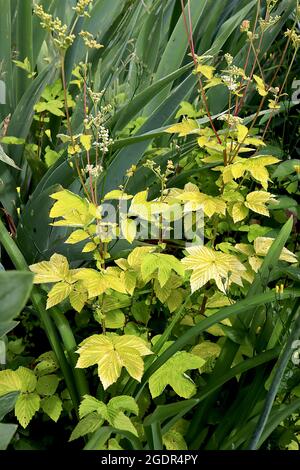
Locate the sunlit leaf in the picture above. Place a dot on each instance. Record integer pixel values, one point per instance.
(26, 407)
(210, 265)
(111, 354)
(173, 373)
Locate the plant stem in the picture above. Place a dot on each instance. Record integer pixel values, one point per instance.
(281, 90)
(189, 32)
(70, 345)
(282, 364)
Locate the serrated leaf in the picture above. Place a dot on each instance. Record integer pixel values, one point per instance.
(124, 403)
(9, 382)
(173, 440)
(255, 263)
(210, 265)
(160, 266)
(256, 166)
(86, 141)
(257, 200)
(52, 406)
(77, 236)
(55, 270)
(261, 86)
(58, 293)
(135, 258)
(111, 354)
(194, 200)
(94, 281)
(88, 424)
(47, 364)
(239, 212)
(114, 281)
(242, 132)
(117, 194)
(263, 244)
(72, 208)
(140, 312)
(187, 109)
(89, 405)
(130, 280)
(162, 293)
(173, 373)
(208, 351)
(206, 70)
(186, 127)
(26, 407)
(218, 300)
(122, 422)
(27, 378)
(128, 229)
(78, 298)
(175, 300)
(47, 385)
(114, 319)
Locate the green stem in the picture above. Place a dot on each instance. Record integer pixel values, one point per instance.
(75, 382)
(70, 345)
(280, 369)
(24, 44)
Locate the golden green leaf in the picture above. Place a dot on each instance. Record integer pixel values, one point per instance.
(239, 212)
(9, 382)
(194, 200)
(58, 293)
(135, 258)
(242, 132)
(256, 166)
(28, 379)
(128, 228)
(27, 405)
(77, 236)
(72, 208)
(55, 270)
(210, 265)
(112, 353)
(160, 266)
(261, 86)
(86, 141)
(78, 297)
(257, 200)
(186, 127)
(117, 194)
(263, 244)
(173, 373)
(206, 70)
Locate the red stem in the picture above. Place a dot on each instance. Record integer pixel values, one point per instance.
(189, 31)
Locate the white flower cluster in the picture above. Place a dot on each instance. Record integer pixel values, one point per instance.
(229, 82)
(231, 120)
(104, 140)
(94, 171)
(265, 24)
